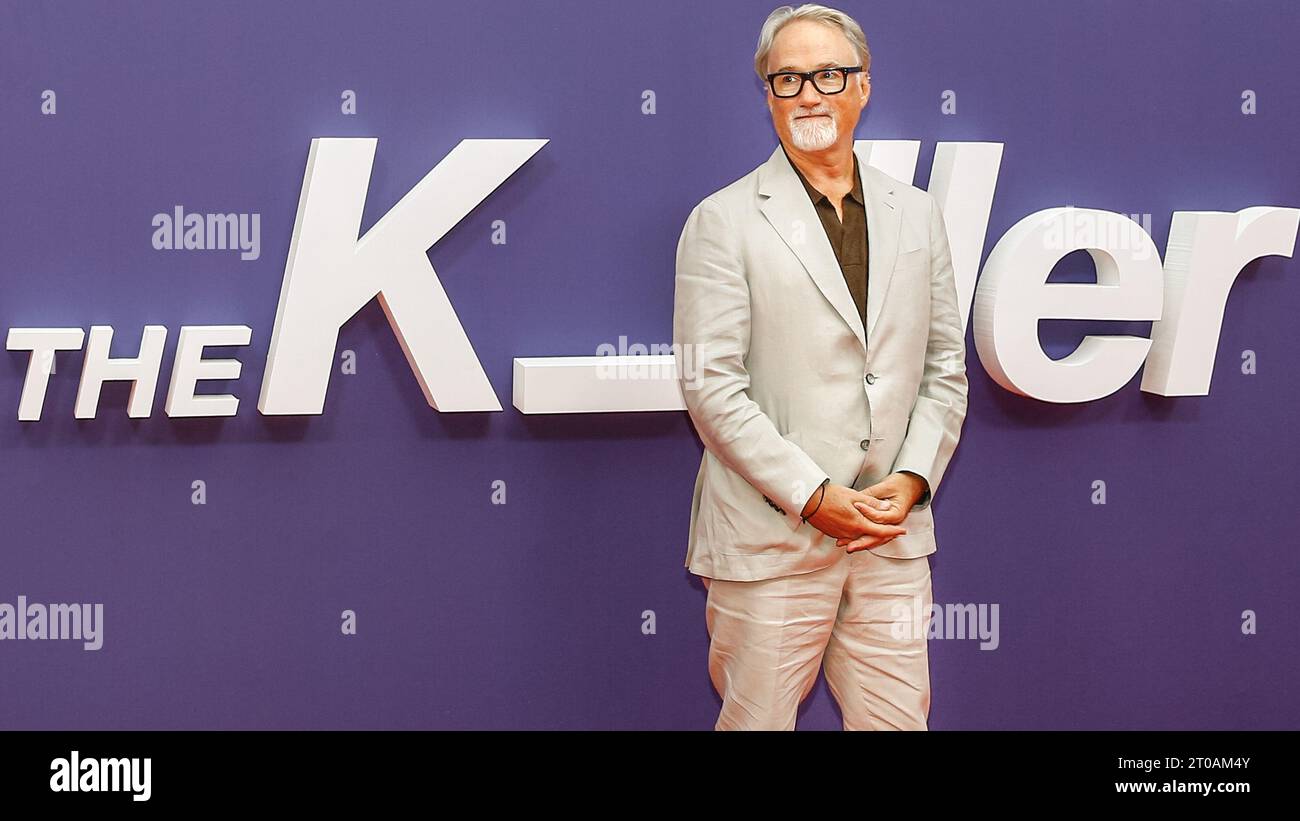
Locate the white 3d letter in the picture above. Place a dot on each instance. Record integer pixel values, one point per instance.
(331, 274)
(1206, 251)
(963, 178)
(190, 367)
(141, 372)
(1014, 294)
(42, 342)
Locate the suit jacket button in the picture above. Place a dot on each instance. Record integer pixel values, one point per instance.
(864, 444)
(871, 379)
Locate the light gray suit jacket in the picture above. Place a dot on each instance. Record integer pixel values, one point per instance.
(785, 386)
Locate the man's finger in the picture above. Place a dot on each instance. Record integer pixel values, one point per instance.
(870, 509)
(877, 530)
(862, 543)
(882, 490)
(865, 543)
(866, 539)
(881, 532)
(885, 513)
(881, 543)
(878, 504)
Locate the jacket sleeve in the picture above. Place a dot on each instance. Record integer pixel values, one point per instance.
(936, 419)
(711, 323)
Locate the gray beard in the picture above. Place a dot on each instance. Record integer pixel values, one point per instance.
(813, 135)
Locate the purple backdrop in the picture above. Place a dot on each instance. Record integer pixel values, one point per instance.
(528, 614)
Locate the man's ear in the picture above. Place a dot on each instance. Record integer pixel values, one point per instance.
(864, 86)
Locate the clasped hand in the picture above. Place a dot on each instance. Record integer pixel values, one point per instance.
(869, 518)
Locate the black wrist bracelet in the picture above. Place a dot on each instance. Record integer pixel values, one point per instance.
(822, 486)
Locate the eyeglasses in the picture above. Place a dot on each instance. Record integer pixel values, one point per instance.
(825, 80)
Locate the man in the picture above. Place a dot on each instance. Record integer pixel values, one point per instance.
(822, 361)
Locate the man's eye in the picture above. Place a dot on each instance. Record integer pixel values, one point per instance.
(828, 74)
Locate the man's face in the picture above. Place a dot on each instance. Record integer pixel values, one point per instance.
(812, 121)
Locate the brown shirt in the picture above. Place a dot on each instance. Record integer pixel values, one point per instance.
(849, 241)
(848, 238)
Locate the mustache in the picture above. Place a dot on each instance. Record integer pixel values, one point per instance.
(801, 114)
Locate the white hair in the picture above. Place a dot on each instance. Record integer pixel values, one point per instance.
(784, 15)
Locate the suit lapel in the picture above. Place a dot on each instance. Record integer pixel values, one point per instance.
(785, 204)
(884, 221)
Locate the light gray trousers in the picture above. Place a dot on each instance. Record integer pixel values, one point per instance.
(863, 619)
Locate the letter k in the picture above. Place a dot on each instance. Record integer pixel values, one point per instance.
(330, 274)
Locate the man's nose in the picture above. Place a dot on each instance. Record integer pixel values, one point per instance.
(809, 95)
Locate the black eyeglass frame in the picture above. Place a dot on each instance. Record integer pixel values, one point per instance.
(806, 76)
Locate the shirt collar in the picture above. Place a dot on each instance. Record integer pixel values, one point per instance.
(817, 196)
